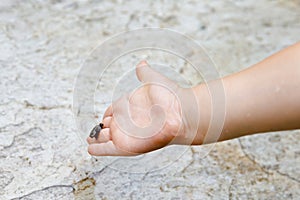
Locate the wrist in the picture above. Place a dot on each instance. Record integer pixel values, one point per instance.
(204, 108)
(195, 109)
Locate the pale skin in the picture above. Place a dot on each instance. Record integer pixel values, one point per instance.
(262, 98)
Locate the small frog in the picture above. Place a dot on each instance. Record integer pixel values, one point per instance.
(96, 130)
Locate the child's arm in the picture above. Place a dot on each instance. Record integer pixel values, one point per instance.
(262, 98)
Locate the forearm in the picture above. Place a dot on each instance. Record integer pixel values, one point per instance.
(262, 98)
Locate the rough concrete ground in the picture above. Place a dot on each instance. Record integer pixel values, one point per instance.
(43, 44)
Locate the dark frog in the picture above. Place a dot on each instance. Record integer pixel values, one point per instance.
(96, 130)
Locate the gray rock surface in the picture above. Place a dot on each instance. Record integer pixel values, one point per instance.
(43, 45)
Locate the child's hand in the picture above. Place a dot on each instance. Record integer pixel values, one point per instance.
(262, 98)
(150, 118)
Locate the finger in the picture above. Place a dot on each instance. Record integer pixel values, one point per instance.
(90, 140)
(104, 136)
(108, 112)
(106, 149)
(146, 74)
(106, 122)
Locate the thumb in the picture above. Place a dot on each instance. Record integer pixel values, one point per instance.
(146, 74)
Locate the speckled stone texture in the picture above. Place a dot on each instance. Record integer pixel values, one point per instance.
(44, 43)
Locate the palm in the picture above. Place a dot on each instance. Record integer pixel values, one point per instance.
(153, 113)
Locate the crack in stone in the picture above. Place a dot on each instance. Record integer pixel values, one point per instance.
(8, 125)
(262, 168)
(44, 189)
(24, 133)
(252, 159)
(65, 186)
(93, 174)
(145, 175)
(288, 176)
(191, 162)
(30, 105)
(229, 190)
(27, 104)
(6, 177)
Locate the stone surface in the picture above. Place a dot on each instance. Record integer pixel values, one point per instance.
(43, 45)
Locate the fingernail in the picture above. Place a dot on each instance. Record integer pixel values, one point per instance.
(143, 63)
